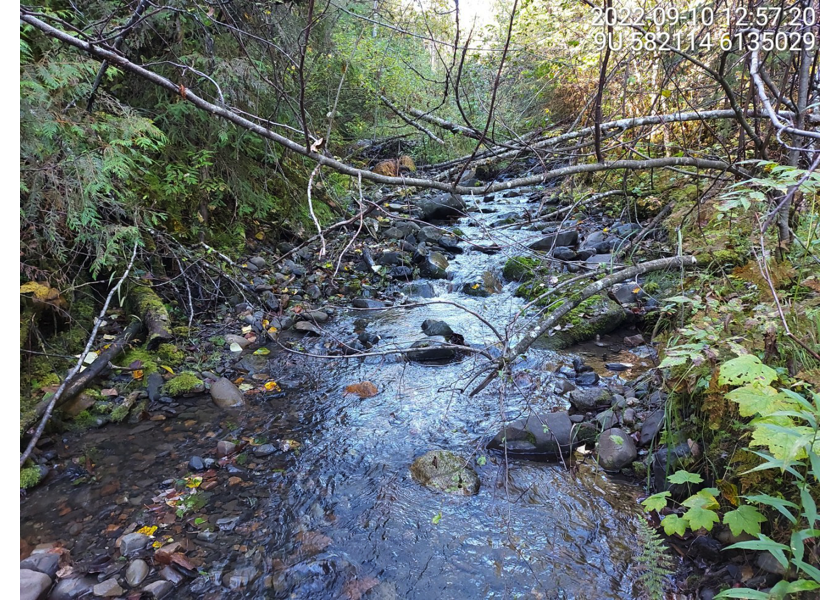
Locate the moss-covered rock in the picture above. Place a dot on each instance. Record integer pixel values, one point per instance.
(30, 476)
(183, 383)
(170, 354)
(148, 360)
(120, 413)
(520, 268)
(595, 316)
(445, 471)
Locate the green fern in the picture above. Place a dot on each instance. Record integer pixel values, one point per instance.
(654, 565)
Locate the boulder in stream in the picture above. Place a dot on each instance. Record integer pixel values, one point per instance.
(433, 266)
(562, 238)
(442, 206)
(225, 394)
(445, 471)
(539, 437)
(616, 449)
(432, 350)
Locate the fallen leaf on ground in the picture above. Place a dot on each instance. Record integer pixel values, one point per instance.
(365, 389)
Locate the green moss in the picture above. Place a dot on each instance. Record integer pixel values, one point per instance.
(520, 268)
(84, 420)
(182, 383)
(170, 354)
(30, 476)
(119, 413)
(594, 316)
(148, 361)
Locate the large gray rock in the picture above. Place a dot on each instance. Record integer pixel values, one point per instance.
(136, 572)
(588, 400)
(651, 427)
(429, 234)
(539, 437)
(133, 542)
(431, 350)
(432, 328)
(108, 589)
(421, 289)
(441, 207)
(73, 587)
(46, 563)
(434, 265)
(445, 471)
(562, 238)
(225, 394)
(616, 449)
(158, 589)
(33, 585)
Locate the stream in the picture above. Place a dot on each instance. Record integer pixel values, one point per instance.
(335, 513)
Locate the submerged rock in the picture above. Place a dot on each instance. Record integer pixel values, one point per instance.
(445, 471)
(432, 328)
(539, 437)
(431, 350)
(434, 265)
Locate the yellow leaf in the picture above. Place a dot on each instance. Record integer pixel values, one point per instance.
(271, 385)
(272, 330)
(193, 482)
(157, 545)
(259, 235)
(138, 374)
(167, 369)
(148, 530)
(666, 93)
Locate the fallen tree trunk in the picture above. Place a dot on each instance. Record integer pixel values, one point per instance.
(574, 300)
(147, 305)
(414, 124)
(443, 124)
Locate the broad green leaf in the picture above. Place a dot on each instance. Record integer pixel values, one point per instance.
(810, 570)
(746, 593)
(764, 543)
(775, 463)
(784, 443)
(779, 504)
(700, 517)
(673, 361)
(685, 477)
(758, 400)
(746, 369)
(797, 541)
(262, 351)
(674, 524)
(809, 507)
(705, 499)
(744, 518)
(802, 585)
(657, 501)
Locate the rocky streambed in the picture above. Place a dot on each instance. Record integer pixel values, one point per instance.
(339, 455)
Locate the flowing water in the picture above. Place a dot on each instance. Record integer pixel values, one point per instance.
(340, 516)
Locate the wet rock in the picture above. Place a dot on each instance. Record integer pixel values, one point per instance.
(367, 303)
(626, 293)
(232, 338)
(633, 341)
(273, 304)
(401, 272)
(225, 394)
(224, 448)
(133, 542)
(240, 578)
(449, 242)
(46, 563)
(315, 315)
(264, 450)
(588, 400)
(441, 207)
(431, 350)
(392, 259)
(588, 378)
(433, 328)
(563, 238)
(769, 563)
(154, 382)
(564, 253)
(33, 585)
(629, 417)
(394, 233)
(258, 261)
(429, 234)
(73, 587)
(196, 463)
(158, 589)
(600, 259)
(651, 427)
(420, 290)
(593, 239)
(539, 437)
(607, 419)
(136, 572)
(108, 589)
(170, 574)
(666, 461)
(369, 339)
(626, 229)
(433, 266)
(616, 449)
(445, 471)
(488, 285)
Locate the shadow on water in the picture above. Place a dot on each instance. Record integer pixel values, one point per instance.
(340, 516)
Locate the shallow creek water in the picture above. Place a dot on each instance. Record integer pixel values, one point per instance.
(340, 516)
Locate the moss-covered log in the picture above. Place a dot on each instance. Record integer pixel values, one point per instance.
(148, 306)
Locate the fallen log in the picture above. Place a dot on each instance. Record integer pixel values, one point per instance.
(503, 363)
(414, 124)
(147, 305)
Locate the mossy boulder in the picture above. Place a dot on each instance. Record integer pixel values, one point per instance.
(183, 383)
(447, 472)
(596, 316)
(170, 354)
(520, 268)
